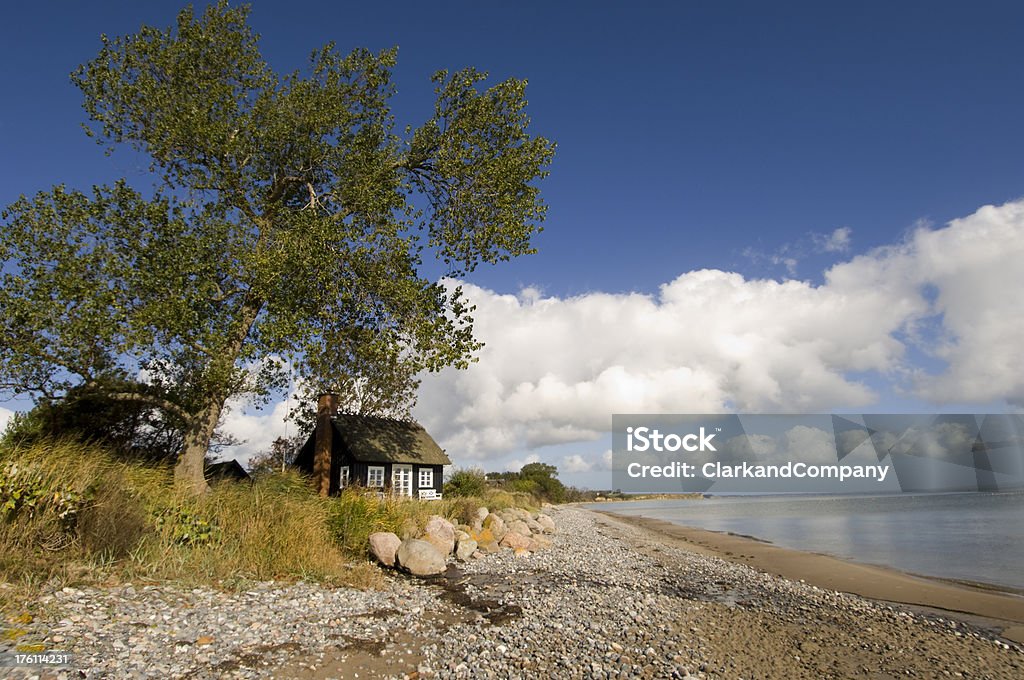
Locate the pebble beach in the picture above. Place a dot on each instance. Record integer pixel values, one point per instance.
(609, 599)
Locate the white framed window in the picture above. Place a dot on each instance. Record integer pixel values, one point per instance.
(375, 475)
(426, 478)
(344, 476)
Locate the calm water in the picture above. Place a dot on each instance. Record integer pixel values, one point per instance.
(972, 536)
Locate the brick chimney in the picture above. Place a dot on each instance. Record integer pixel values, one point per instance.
(326, 406)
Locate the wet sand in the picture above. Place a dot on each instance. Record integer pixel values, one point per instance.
(997, 610)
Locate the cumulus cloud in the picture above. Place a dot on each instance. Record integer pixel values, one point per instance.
(518, 464)
(5, 417)
(586, 463)
(554, 369)
(257, 430)
(974, 264)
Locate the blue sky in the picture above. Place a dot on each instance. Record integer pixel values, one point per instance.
(772, 141)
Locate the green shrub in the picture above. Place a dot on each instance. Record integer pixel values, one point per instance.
(467, 482)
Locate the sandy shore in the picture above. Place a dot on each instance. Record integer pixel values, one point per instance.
(999, 611)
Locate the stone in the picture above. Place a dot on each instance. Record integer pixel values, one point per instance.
(496, 525)
(520, 527)
(465, 548)
(420, 558)
(539, 543)
(384, 547)
(440, 533)
(515, 540)
(481, 513)
(546, 523)
(483, 536)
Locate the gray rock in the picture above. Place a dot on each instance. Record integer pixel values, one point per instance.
(384, 547)
(546, 523)
(440, 533)
(520, 527)
(465, 548)
(420, 558)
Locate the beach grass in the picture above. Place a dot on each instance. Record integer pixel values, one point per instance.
(72, 514)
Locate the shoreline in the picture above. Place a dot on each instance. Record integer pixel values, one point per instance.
(987, 605)
(610, 598)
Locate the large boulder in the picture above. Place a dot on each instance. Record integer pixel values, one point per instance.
(420, 558)
(440, 533)
(496, 525)
(515, 540)
(483, 536)
(520, 527)
(465, 548)
(546, 523)
(384, 547)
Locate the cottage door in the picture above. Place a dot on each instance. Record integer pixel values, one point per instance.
(401, 479)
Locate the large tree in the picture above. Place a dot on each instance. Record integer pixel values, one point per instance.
(288, 223)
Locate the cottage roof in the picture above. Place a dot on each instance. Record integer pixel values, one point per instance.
(370, 439)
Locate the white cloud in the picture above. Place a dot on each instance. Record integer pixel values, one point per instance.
(586, 463)
(554, 369)
(836, 242)
(5, 417)
(257, 430)
(518, 464)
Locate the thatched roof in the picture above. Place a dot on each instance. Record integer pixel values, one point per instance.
(383, 440)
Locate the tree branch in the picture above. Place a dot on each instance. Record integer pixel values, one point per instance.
(152, 400)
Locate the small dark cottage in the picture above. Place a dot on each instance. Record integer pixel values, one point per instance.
(228, 469)
(394, 456)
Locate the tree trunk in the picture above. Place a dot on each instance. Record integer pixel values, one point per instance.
(190, 469)
(191, 466)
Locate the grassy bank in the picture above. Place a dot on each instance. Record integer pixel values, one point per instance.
(73, 514)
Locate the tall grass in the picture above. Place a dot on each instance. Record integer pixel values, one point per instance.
(71, 512)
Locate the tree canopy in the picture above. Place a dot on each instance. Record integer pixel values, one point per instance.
(287, 224)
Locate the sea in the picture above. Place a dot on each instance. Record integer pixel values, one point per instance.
(976, 537)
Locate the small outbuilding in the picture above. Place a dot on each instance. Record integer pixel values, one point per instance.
(394, 456)
(228, 469)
